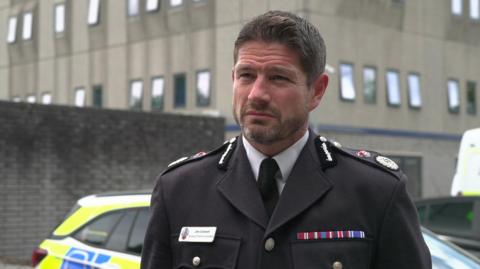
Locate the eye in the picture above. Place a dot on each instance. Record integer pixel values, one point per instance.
(245, 75)
(278, 78)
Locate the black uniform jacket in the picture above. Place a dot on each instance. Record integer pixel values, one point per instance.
(337, 210)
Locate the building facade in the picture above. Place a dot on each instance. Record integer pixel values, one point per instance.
(404, 75)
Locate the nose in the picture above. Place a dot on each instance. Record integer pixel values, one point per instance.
(259, 91)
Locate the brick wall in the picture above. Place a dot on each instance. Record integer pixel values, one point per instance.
(52, 155)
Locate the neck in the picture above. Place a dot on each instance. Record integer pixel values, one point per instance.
(278, 146)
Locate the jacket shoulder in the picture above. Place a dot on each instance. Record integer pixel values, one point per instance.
(370, 158)
(225, 148)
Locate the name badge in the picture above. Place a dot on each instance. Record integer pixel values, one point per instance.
(197, 234)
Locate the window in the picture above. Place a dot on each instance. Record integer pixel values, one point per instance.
(97, 231)
(136, 94)
(119, 236)
(347, 88)
(393, 88)
(27, 26)
(175, 3)
(412, 167)
(414, 91)
(135, 243)
(12, 29)
(80, 97)
(369, 85)
(453, 96)
(158, 88)
(453, 217)
(457, 7)
(97, 96)
(31, 99)
(475, 9)
(133, 9)
(180, 93)
(151, 5)
(46, 98)
(59, 18)
(203, 88)
(93, 12)
(471, 98)
(16, 99)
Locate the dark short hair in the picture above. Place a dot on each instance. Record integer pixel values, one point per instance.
(292, 31)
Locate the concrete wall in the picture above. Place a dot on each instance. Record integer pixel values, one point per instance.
(52, 155)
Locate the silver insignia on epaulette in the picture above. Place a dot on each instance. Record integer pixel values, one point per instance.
(177, 161)
(387, 162)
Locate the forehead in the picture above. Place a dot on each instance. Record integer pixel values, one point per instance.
(259, 52)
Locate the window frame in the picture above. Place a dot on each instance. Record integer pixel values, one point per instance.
(45, 94)
(387, 88)
(375, 84)
(341, 86)
(152, 88)
(12, 29)
(197, 88)
(450, 108)
(27, 25)
(93, 14)
(155, 8)
(130, 90)
(409, 90)
(473, 104)
(129, 10)
(474, 13)
(79, 89)
(184, 105)
(454, 4)
(57, 17)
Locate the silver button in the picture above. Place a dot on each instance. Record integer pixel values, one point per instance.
(196, 261)
(337, 265)
(269, 244)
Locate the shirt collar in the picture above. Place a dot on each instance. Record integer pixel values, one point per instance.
(285, 159)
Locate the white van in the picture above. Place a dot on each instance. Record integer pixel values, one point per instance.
(467, 175)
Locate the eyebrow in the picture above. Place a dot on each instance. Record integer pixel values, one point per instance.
(280, 69)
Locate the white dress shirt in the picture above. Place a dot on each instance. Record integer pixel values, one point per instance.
(285, 159)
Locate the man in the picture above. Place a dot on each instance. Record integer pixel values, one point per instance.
(279, 196)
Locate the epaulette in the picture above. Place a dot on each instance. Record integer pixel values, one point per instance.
(371, 158)
(228, 145)
(325, 153)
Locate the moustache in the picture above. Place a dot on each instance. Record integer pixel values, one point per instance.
(259, 108)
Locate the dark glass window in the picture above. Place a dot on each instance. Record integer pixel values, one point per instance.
(97, 231)
(453, 217)
(118, 238)
(471, 98)
(422, 212)
(412, 167)
(369, 85)
(180, 89)
(138, 233)
(158, 91)
(97, 93)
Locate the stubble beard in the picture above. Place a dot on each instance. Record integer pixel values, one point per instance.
(259, 132)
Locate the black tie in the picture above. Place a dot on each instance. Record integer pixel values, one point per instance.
(267, 184)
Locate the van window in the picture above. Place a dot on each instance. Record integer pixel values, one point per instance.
(451, 217)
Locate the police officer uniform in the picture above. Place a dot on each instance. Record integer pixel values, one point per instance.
(338, 209)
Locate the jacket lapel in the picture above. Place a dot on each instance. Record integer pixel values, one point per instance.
(306, 184)
(239, 187)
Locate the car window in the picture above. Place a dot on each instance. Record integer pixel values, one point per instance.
(138, 233)
(119, 236)
(451, 217)
(447, 256)
(97, 231)
(422, 211)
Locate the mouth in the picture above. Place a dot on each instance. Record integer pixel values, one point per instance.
(259, 114)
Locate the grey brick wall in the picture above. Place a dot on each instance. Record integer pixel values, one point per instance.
(52, 155)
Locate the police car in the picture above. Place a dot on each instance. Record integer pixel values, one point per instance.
(101, 231)
(107, 231)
